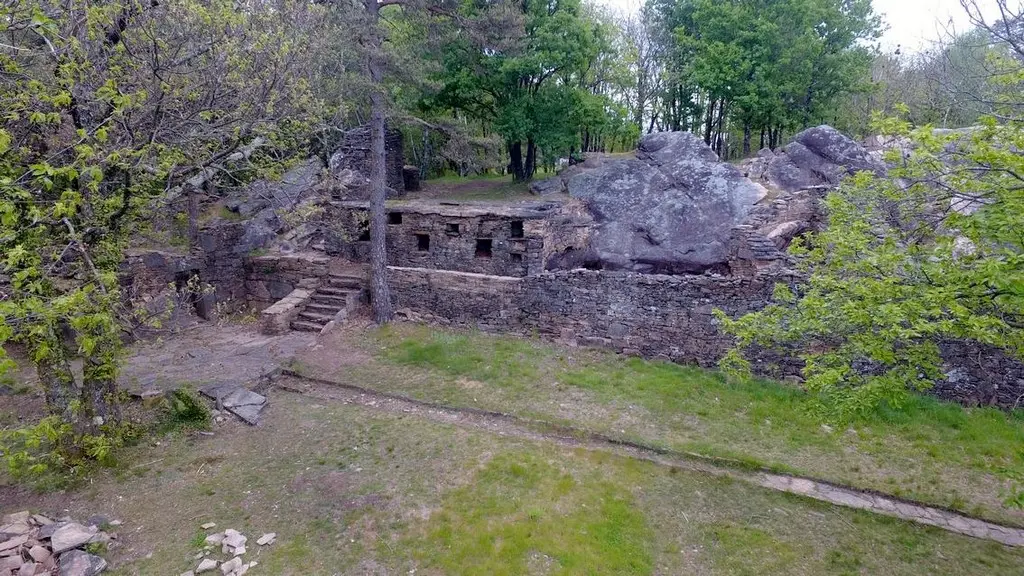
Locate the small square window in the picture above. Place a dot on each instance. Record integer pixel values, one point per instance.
(516, 229)
(452, 228)
(483, 247)
(394, 217)
(423, 242)
(516, 258)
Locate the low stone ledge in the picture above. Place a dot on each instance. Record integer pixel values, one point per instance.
(278, 317)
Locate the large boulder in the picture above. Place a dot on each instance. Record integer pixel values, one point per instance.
(671, 210)
(818, 157)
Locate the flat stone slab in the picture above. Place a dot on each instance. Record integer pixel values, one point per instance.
(79, 563)
(240, 401)
(70, 536)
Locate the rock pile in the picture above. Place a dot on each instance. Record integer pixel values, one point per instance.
(33, 545)
(232, 544)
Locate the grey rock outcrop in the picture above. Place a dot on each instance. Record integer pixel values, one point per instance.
(670, 210)
(818, 157)
(264, 201)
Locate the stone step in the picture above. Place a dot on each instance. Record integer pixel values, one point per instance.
(314, 317)
(345, 281)
(329, 299)
(336, 291)
(330, 309)
(301, 326)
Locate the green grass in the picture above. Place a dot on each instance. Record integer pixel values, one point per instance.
(357, 491)
(480, 187)
(968, 459)
(520, 509)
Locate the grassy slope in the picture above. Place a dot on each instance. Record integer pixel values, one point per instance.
(354, 492)
(970, 460)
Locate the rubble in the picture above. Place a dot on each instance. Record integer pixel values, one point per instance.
(232, 543)
(36, 545)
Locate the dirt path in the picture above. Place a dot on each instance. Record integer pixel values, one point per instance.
(513, 426)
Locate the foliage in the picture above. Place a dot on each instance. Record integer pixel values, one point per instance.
(527, 71)
(951, 85)
(764, 66)
(932, 252)
(183, 408)
(51, 454)
(109, 110)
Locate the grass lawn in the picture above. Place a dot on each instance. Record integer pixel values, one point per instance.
(967, 459)
(354, 491)
(495, 187)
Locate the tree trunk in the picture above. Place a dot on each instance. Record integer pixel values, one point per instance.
(762, 139)
(100, 404)
(515, 156)
(192, 200)
(709, 120)
(746, 139)
(58, 380)
(531, 158)
(380, 291)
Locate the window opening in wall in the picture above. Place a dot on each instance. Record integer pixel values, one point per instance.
(394, 217)
(483, 247)
(423, 242)
(364, 231)
(517, 229)
(452, 228)
(516, 257)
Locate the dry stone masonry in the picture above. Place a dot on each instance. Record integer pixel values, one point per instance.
(631, 254)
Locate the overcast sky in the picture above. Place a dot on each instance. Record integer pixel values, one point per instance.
(913, 24)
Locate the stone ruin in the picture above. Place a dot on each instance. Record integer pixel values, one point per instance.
(630, 254)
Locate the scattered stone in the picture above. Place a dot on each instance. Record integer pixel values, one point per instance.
(16, 517)
(41, 520)
(48, 530)
(215, 539)
(234, 538)
(208, 525)
(29, 569)
(267, 539)
(239, 550)
(70, 535)
(79, 563)
(13, 543)
(231, 566)
(38, 553)
(206, 565)
(98, 521)
(16, 528)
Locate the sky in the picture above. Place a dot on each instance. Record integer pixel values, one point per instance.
(913, 24)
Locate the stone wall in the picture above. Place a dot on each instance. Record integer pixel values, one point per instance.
(271, 278)
(506, 241)
(667, 317)
(354, 154)
(221, 262)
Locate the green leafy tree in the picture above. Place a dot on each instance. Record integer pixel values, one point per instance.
(931, 252)
(107, 109)
(521, 68)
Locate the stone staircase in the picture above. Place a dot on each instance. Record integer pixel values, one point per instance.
(342, 293)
